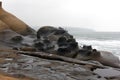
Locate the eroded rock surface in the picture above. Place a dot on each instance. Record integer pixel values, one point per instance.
(50, 40)
(10, 21)
(42, 69)
(56, 41)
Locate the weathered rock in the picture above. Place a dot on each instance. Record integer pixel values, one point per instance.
(85, 47)
(108, 73)
(9, 38)
(5, 76)
(85, 53)
(57, 40)
(3, 26)
(43, 69)
(51, 40)
(104, 57)
(13, 31)
(15, 24)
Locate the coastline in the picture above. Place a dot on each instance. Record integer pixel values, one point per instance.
(50, 53)
(27, 66)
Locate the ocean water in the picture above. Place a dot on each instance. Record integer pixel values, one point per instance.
(107, 41)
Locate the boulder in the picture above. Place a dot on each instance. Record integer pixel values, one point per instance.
(56, 40)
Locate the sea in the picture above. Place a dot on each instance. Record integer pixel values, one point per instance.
(105, 41)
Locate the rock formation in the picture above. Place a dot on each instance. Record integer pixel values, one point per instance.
(104, 57)
(3, 26)
(56, 41)
(11, 21)
(29, 58)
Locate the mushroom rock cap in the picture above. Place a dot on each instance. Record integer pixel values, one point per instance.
(14, 23)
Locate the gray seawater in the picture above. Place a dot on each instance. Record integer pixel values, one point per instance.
(108, 41)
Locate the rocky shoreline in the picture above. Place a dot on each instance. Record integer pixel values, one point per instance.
(34, 67)
(50, 53)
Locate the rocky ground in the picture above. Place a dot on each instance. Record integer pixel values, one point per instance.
(14, 66)
(47, 54)
(26, 67)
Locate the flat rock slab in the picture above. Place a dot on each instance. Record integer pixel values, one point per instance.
(19, 66)
(107, 72)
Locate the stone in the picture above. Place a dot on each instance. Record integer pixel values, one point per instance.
(3, 26)
(8, 20)
(51, 39)
(35, 68)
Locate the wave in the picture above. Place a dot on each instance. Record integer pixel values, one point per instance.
(107, 45)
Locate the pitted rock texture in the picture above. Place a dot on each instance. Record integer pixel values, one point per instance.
(56, 41)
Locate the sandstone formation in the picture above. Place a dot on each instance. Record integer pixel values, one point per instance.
(15, 24)
(3, 26)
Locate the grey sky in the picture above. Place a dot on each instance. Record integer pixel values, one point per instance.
(101, 15)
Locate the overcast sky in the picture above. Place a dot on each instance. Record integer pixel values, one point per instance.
(101, 15)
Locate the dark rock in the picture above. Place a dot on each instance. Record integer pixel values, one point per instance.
(56, 40)
(45, 31)
(39, 46)
(60, 31)
(73, 45)
(63, 50)
(71, 40)
(87, 47)
(46, 41)
(85, 52)
(17, 39)
(61, 40)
